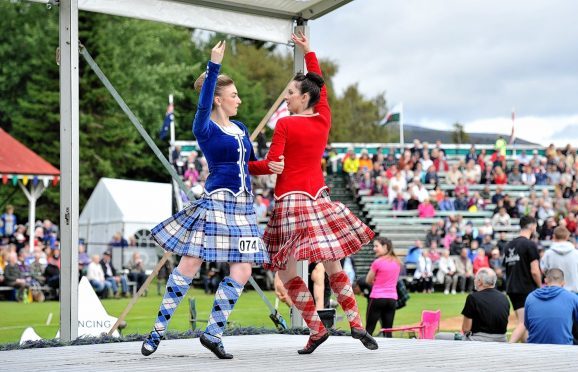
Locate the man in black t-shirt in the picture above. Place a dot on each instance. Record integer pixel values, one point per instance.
(521, 260)
(486, 311)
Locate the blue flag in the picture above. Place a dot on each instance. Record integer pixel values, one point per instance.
(169, 118)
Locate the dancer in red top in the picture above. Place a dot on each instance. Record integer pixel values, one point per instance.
(306, 224)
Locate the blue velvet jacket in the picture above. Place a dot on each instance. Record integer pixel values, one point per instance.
(227, 155)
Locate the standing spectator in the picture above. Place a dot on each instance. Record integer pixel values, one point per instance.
(447, 272)
(8, 222)
(551, 311)
(497, 264)
(500, 146)
(562, 255)
(522, 272)
(383, 275)
(177, 162)
(111, 276)
(351, 163)
(464, 270)
(502, 242)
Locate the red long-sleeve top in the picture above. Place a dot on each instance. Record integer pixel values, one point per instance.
(302, 140)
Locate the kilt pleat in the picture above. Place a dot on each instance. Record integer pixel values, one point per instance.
(211, 228)
(315, 230)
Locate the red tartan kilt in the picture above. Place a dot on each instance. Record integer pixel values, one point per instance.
(315, 230)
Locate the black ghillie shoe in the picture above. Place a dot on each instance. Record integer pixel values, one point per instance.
(149, 345)
(313, 344)
(365, 338)
(216, 347)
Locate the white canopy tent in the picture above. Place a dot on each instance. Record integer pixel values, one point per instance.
(268, 20)
(123, 206)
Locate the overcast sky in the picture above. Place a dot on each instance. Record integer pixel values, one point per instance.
(469, 61)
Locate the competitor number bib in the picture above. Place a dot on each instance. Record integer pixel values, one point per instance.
(248, 245)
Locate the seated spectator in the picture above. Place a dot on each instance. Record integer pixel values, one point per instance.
(499, 177)
(424, 273)
(551, 312)
(498, 195)
(528, 178)
(515, 178)
(83, 257)
(440, 163)
(13, 276)
(468, 235)
(111, 276)
(434, 254)
(95, 276)
(351, 163)
(457, 245)
(523, 158)
(486, 311)
(431, 176)
(379, 186)
(571, 223)
(413, 202)
(502, 242)
(464, 270)
(570, 191)
(136, 270)
(480, 261)
(446, 204)
(486, 229)
(454, 175)
(426, 209)
(501, 218)
(497, 264)
(476, 203)
(365, 162)
(260, 207)
(553, 175)
(447, 272)
(419, 190)
(399, 203)
(461, 188)
(435, 234)
(541, 176)
(461, 202)
(471, 155)
(547, 230)
(485, 194)
(450, 237)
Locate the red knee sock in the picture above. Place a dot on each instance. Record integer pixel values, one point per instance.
(341, 286)
(303, 301)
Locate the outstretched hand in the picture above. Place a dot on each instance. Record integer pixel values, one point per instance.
(277, 166)
(302, 41)
(218, 52)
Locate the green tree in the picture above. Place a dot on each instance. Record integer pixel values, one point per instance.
(459, 135)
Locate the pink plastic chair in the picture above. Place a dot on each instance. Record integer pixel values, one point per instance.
(427, 328)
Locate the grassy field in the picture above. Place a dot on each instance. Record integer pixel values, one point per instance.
(250, 311)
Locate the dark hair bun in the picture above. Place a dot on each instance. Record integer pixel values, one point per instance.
(315, 78)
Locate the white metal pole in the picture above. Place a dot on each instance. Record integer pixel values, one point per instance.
(302, 266)
(69, 153)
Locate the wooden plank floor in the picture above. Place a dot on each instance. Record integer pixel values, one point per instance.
(278, 353)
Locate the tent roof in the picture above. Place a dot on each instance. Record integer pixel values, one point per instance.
(15, 158)
(267, 20)
(115, 200)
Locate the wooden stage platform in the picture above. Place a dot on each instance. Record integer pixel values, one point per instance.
(279, 353)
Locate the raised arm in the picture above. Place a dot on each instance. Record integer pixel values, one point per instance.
(201, 127)
(322, 107)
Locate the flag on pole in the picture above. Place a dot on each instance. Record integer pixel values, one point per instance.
(513, 134)
(169, 118)
(394, 115)
(281, 112)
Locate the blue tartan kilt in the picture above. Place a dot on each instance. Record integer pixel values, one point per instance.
(215, 228)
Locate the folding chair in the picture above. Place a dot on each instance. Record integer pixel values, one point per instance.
(426, 329)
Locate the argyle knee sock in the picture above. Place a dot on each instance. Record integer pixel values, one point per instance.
(342, 288)
(303, 301)
(226, 296)
(177, 287)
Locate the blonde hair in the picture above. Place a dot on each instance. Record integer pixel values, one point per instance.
(222, 82)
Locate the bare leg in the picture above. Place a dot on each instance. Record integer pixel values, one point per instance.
(519, 333)
(318, 278)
